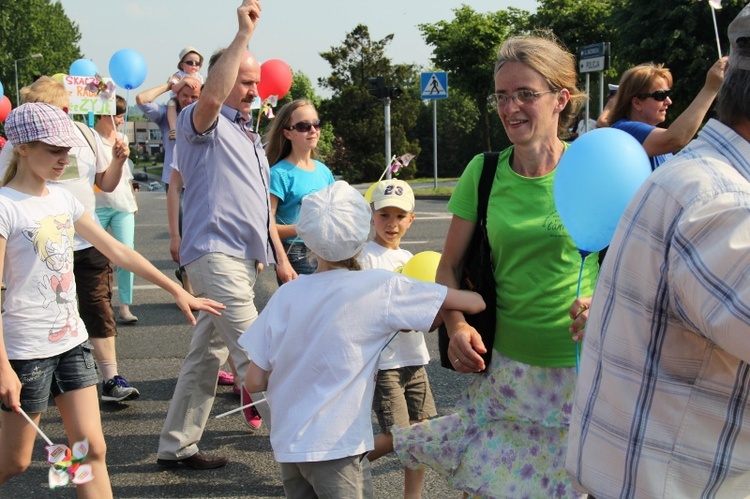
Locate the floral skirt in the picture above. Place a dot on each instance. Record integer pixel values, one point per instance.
(508, 437)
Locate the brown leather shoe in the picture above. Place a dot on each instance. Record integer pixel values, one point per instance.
(198, 461)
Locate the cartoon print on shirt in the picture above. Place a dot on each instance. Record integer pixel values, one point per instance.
(52, 239)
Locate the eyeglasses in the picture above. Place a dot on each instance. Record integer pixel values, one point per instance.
(659, 95)
(519, 97)
(192, 63)
(305, 126)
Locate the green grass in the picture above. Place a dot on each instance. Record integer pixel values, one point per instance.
(440, 191)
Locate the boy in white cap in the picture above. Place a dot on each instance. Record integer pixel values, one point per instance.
(189, 67)
(402, 390)
(316, 345)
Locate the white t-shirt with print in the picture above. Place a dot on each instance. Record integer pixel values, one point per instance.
(40, 316)
(320, 336)
(406, 349)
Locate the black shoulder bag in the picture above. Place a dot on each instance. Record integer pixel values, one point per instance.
(478, 273)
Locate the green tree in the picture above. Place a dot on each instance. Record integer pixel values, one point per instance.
(35, 26)
(357, 117)
(578, 23)
(678, 33)
(466, 48)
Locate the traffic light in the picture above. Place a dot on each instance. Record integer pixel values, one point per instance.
(394, 92)
(380, 91)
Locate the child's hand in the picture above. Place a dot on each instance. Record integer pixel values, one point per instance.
(120, 150)
(10, 388)
(190, 82)
(579, 312)
(187, 302)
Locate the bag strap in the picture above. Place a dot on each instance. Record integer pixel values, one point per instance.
(88, 134)
(485, 185)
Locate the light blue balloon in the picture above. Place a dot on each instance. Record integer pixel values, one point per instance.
(2, 90)
(127, 68)
(595, 180)
(83, 67)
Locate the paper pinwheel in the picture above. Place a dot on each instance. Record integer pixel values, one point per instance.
(104, 89)
(67, 466)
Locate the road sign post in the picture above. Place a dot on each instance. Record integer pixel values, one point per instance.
(434, 86)
(594, 58)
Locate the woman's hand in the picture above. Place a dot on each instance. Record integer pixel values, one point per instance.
(579, 312)
(285, 272)
(465, 348)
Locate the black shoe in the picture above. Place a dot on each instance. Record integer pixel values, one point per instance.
(198, 461)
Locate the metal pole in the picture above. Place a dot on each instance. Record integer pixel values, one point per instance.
(601, 92)
(586, 118)
(434, 141)
(387, 102)
(15, 66)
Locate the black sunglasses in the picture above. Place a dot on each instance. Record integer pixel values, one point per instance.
(305, 126)
(192, 63)
(659, 95)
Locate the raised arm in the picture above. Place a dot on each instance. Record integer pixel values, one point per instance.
(223, 74)
(683, 129)
(150, 95)
(173, 214)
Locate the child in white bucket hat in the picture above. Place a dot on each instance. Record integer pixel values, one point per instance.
(45, 349)
(316, 345)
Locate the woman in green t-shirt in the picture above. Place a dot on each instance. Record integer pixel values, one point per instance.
(507, 438)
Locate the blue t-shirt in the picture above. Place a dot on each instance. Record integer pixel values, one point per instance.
(290, 184)
(640, 131)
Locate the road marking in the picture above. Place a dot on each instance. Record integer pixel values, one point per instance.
(432, 215)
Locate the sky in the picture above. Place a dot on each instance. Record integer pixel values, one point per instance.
(294, 31)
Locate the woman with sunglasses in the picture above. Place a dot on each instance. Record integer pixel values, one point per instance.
(642, 100)
(292, 151)
(507, 436)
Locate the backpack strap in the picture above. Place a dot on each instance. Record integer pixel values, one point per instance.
(88, 134)
(485, 185)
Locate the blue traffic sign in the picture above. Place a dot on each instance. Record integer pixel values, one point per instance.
(434, 85)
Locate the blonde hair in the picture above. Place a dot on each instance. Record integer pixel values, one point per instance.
(15, 158)
(349, 264)
(46, 90)
(545, 54)
(278, 146)
(634, 82)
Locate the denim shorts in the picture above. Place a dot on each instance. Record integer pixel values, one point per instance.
(297, 253)
(54, 376)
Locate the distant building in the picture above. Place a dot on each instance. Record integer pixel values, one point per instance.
(145, 136)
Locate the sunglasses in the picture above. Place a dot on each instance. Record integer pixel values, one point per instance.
(659, 95)
(305, 126)
(192, 63)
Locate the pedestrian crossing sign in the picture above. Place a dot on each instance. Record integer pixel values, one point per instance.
(434, 85)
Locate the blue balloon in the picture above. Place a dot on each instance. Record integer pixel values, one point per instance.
(83, 67)
(2, 90)
(127, 68)
(595, 180)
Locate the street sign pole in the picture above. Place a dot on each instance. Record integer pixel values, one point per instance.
(434, 86)
(593, 58)
(434, 143)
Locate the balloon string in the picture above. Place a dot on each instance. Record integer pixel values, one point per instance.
(584, 254)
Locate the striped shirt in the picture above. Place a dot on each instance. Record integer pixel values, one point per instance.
(661, 405)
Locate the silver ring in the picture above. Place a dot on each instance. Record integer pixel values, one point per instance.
(457, 361)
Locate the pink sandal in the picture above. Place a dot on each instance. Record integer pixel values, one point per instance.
(225, 378)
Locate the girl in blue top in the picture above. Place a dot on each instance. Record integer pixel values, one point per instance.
(292, 152)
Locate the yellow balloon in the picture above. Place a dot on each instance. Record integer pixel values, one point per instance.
(59, 78)
(368, 194)
(422, 266)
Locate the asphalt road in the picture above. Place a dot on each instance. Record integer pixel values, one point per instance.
(150, 354)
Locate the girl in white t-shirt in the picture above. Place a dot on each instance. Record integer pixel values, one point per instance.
(315, 347)
(44, 348)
